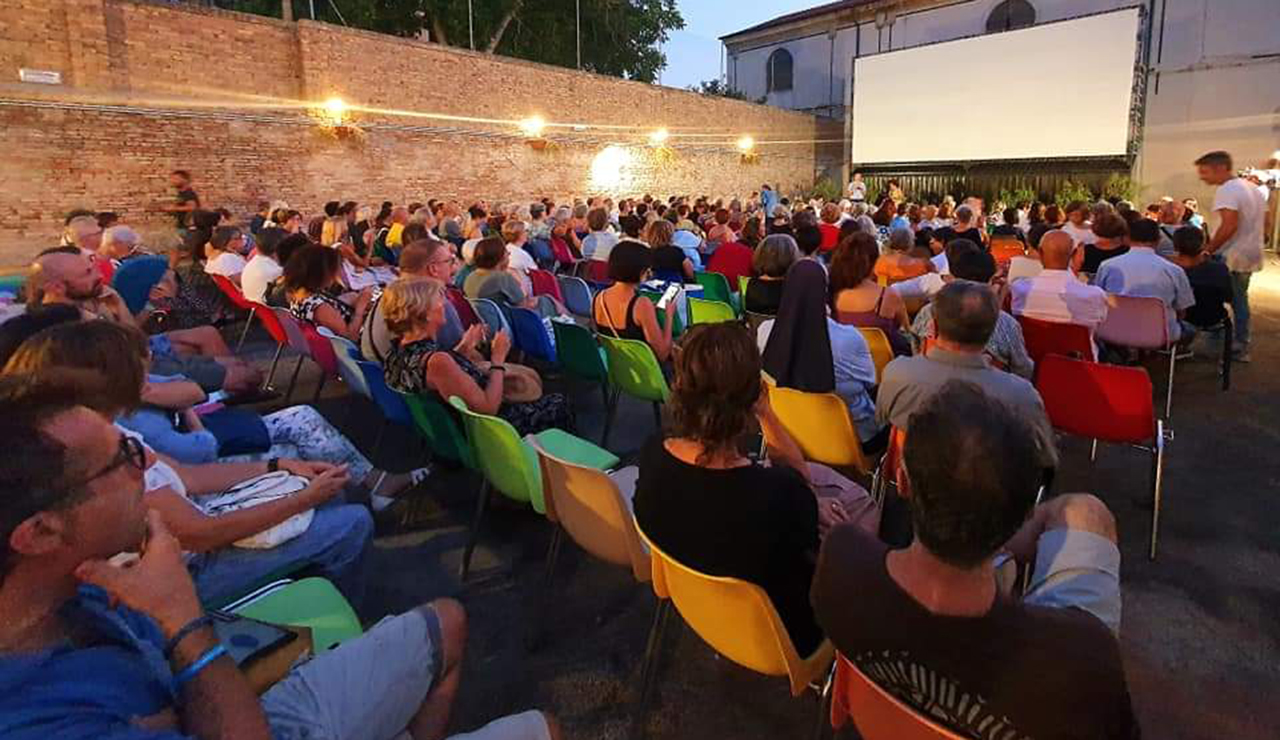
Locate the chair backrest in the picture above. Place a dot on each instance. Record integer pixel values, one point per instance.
(820, 424)
(634, 370)
(544, 283)
(590, 507)
(1005, 249)
(715, 287)
(321, 349)
(579, 352)
(292, 330)
(346, 354)
(310, 602)
(232, 292)
(1134, 321)
(560, 248)
(678, 328)
(881, 350)
(577, 294)
(530, 334)
(391, 403)
(504, 459)
(1044, 338)
(271, 323)
(743, 281)
(710, 312)
(492, 315)
(1107, 402)
(466, 314)
(596, 271)
(876, 713)
(440, 429)
(734, 617)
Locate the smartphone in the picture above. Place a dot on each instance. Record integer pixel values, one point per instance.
(668, 296)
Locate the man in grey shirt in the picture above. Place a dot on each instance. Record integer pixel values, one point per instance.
(965, 315)
(423, 258)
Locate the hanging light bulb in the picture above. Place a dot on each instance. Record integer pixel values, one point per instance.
(659, 137)
(746, 144)
(533, 126)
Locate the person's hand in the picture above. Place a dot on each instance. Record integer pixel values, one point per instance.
(191, 420)
(471, 337)
(324, 486)
(161, 291)
(831, 513)
(307, 469)
(157, 584)
(500, 347)
(762, 409)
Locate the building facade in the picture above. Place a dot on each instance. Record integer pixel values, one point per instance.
(1212, 69)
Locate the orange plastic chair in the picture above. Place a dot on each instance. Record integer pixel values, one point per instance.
(1109, 403)
(876, 713)
(1004, 250)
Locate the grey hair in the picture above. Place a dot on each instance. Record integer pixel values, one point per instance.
(901, 239)
(775, 255)
(859, 209)
(120, 234)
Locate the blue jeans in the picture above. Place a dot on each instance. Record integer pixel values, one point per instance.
(335, 543)
(1240, 304)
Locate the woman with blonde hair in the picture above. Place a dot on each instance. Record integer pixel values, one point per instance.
(669, 261)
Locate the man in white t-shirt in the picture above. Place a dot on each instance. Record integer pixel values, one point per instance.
(263, 269)
(857, 189)
(1238, 240)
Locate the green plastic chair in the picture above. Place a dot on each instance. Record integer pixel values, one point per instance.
(743, 280)
(634, 370)
(710, 312)
(581, 356)
(510, 464)
(715, 287)
(439, 428)
(311, 602)
(676, 330)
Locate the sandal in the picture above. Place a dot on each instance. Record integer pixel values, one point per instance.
(379, 502)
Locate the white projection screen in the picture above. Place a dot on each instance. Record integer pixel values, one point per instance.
(1062, 89)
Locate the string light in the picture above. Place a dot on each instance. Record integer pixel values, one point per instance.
(335, 110)
(533, 126)
(659, 137)
(746, 144)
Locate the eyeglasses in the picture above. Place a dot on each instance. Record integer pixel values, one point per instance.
(130, 452)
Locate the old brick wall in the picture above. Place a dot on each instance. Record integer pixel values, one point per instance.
(149, 88)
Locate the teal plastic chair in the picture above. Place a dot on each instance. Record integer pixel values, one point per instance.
(715, 287)
(434, 422)
(710, 312)
(509, 464)
(634, 370)
(581, 356)
(311, 602)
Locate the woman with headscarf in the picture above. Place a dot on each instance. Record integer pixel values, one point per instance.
(805, 349)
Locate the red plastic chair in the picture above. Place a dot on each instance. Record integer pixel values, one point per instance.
(1045, 338)
(466, 314)
(1004, 250)
(238, 300)
(322, 354)
(306, 341)
(1109, 403)
(273, 327)
(595, 271)
(876, 713)
(562, 252)
(1141, 323)
(887, 471)
(544, 283)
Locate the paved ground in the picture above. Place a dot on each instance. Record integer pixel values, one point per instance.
(1200, 635)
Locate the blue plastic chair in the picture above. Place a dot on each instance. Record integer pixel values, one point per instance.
(530, 334)
(394, 410)
(491, 315)
(577, 295)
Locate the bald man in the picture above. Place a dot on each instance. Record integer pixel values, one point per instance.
(64, 277)
(1057, 294)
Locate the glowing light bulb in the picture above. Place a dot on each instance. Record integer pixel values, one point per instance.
(746, 144)
(659, 137)
(533, 126)
(610, 168)
(335, 107)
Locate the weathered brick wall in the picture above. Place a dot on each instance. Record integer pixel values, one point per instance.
(149, 88)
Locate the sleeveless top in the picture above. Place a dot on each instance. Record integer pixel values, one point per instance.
(406, 366)
(873, 320)
(631, 330)
(305, 309)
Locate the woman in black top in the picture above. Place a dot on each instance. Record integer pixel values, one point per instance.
(620, 311)
(1111, 236)
(772, 259)
(669, 261)
(712, 509)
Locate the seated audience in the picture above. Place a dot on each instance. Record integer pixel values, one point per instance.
(1110, 239)
(1142, 272)
(222, 253)
(927, 285)
(669, 261)
(712, 509)
(770, 263)
(422, 258)
(733, 260)
(620, 311)
(721, 232)
(311, 278)
(939, 626)
(1210, 280)
(1009, 226)
(780, 221)
(1077, 225)
(898, 264)
(494, 279)
(808, 239)
(597, 244)
(830, 228)
(858, 300)
(1056, 294)
(965, 314)
(805, 349)
(964, 228)
(129, 652)
(521, 261)
(119, 243)
(263, 268)
(414, 311)
(1005, 345)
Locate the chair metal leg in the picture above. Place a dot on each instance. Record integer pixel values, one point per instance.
(319, 387)
(293, 381)
(244, 334)
(271, 374)
(824, 705)
(482, 503)
(553, 556)
(608, 415)
(649, 667)
(1093, 452)
(1168, 404)
(1157, 486)
(537, 632)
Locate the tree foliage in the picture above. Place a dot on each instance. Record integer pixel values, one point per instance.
(718, 88)
(622, 38)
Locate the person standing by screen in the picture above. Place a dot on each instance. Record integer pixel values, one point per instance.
(1238, 238)
(857, 188)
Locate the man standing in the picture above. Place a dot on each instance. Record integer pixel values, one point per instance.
(184, 202)
(768, 199)
(1241, 212)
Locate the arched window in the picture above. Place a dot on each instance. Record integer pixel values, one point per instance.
(778, 71)
(1011, 14)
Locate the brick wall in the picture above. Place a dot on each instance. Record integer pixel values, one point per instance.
(149, 88)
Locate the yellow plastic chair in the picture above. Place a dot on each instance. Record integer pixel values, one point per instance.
(820, 424)
(738, 621)
(881, 350)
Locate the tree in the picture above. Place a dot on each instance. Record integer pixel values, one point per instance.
(622, 38)
(717, 88)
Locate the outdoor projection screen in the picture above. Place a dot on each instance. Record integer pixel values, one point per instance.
(1062, 89)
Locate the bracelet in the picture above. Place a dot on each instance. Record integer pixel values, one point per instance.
(273, 465)
(503, 368)
(199, 622)
(190, 672)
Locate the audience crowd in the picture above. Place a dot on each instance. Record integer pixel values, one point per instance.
(142, 488)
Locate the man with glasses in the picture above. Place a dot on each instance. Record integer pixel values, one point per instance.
(423, 258)
(94, 645)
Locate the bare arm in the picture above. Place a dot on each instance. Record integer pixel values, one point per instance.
(783, 448)
(444, 375)
(658, 336)
(214, 477)
(176, 394)
(1230, 221)
(329, 318)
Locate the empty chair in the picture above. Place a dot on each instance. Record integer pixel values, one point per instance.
(393, 407)
(1004, 250)
(581, 356)
(876, 713)
(298, 342)
(710, 312)
(1141, 323)
(529, 334)
(820, 424)
(577, 295)
(272, 324)
(1108, 403)
(1046, 338)
(634, 370)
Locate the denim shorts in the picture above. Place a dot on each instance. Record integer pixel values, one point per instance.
(1077, 569)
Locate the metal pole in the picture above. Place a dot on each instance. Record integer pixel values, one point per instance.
(577, 7)
(471, 26)
(312, 3)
